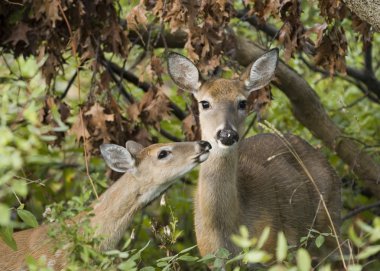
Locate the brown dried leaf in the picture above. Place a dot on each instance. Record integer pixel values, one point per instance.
(190, 128)
(154, 107)
(136, 18)
(96, 122)
(79, 129)
(157, 68)
(19, 34)
(259, 100)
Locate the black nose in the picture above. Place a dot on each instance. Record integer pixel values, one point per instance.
(227, 136)
(205, 146)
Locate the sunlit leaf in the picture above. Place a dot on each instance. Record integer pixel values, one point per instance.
(28, 218)
(303, 260)
(263, 237)
(368, 251)
(5, 214)
(282, 247)
(319, 241)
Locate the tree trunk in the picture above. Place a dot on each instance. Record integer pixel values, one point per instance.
(367, 10)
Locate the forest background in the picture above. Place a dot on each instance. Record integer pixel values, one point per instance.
(76, 74)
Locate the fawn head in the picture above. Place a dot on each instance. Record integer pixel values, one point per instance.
(222, 102)
(157, 164)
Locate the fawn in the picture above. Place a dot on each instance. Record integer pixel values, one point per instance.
(148, 171)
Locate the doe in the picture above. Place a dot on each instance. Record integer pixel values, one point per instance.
(256, 182)
(148, 173)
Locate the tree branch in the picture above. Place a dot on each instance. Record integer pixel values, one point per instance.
(368, 57)
(120, 86)
(361, 209)
(367, 78)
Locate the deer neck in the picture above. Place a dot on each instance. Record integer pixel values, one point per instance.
(114, 210)
(217, 204)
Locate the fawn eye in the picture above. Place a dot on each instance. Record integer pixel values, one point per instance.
(162, 154)
(242, 105)
(205, 104)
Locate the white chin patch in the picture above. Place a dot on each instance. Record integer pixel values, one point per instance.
(222, 146)
(203, 157)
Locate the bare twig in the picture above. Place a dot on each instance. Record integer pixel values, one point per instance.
(361, 209)
(169, 135)
(368, 57)
(118, 83)
(69, 84)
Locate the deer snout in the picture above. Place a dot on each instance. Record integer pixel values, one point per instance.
(227, 137)
(205, 146)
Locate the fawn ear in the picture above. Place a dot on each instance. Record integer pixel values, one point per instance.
(133, 147)
(183, 72)
(117, 158)
(261, 71)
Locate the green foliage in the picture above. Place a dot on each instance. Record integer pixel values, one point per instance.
(40, 169)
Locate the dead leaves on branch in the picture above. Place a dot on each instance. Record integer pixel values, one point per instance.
(331, 50)
(50, 28)
(103, 123)
(153, 107)
(327, 40)
(205, 23)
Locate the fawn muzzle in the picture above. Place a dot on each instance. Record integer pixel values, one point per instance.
(205, 146)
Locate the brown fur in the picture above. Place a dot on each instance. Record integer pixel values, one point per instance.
(255, 182)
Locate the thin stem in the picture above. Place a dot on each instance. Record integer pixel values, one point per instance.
(361, 209)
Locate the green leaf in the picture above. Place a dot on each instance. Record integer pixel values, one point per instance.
(206, 258)
(187, 249)
(368, 251)
(354, 237)
(222, 253)
(303, 260)
(28, 218)
(129, 265)
(244, 232)
(241, 241)
(148, 268)
(282, 247)
(326, 267)
(188, 258)
(354, 267)
(278, 267)
(263, 237)
(162, 264)
(256, 256)
(6, 234)
(5, 214)
(218, 263)
(319, 241)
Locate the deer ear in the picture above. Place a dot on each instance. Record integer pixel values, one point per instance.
(183, 72)
(261, 71)
(133, 147)
(117, 158)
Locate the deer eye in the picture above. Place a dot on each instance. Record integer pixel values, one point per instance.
(242, 105)
(162, 154)
(205, 104)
